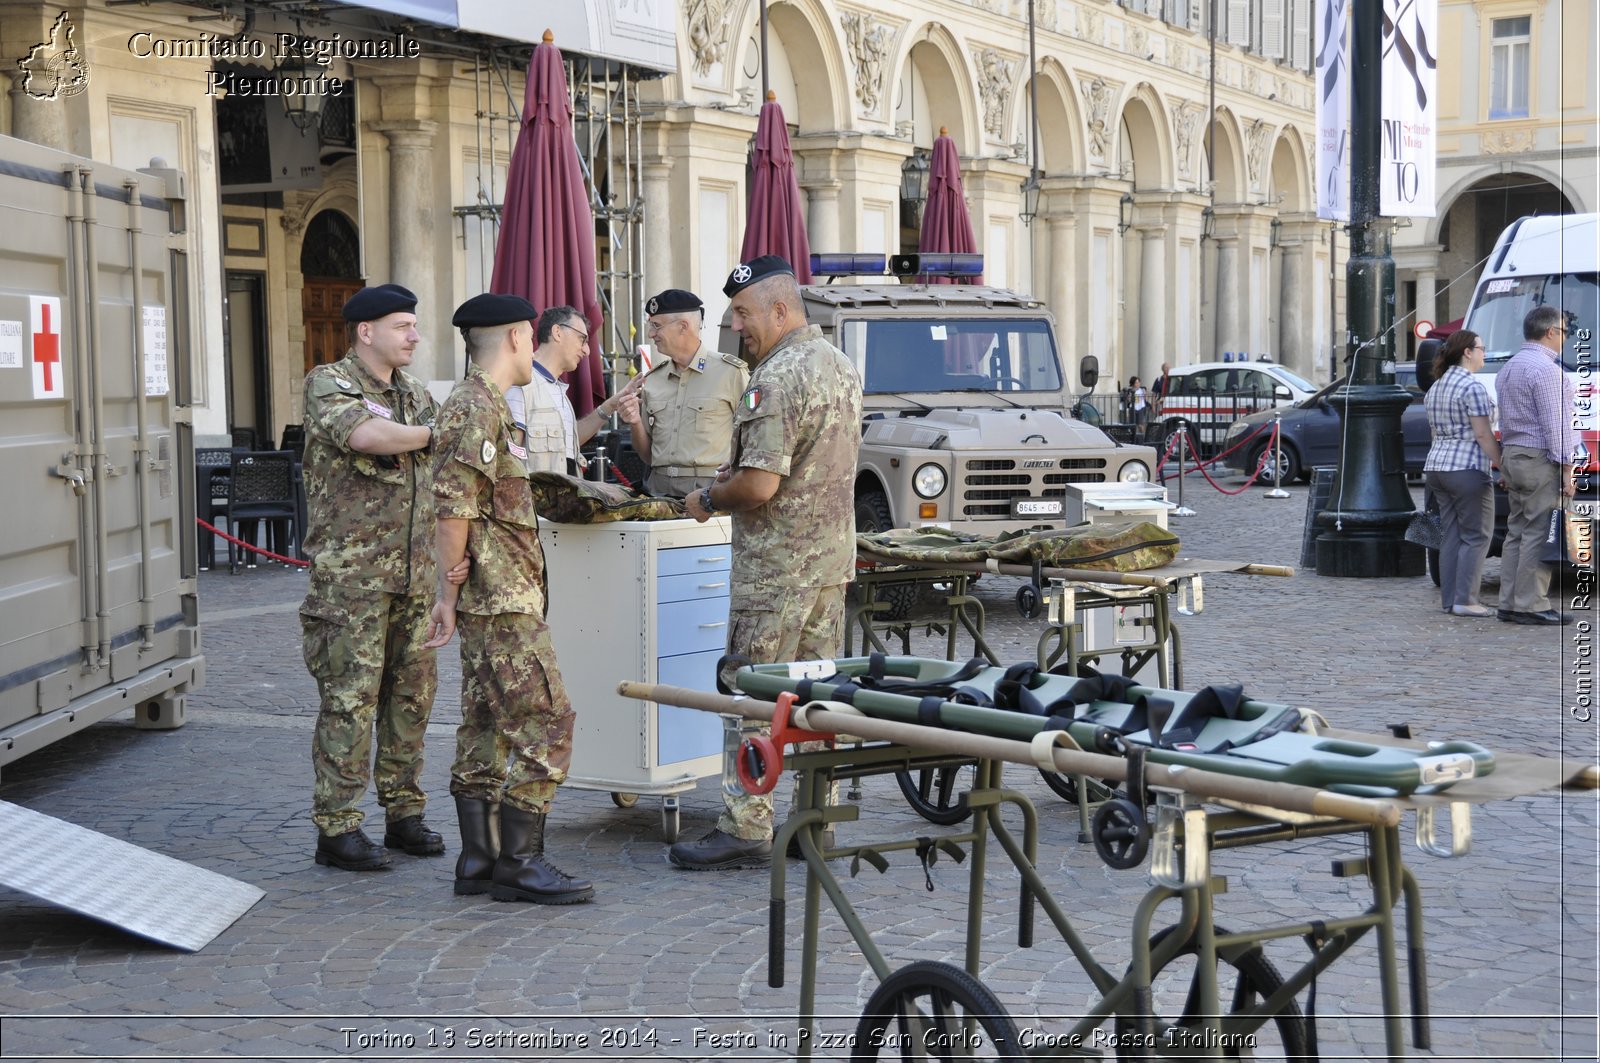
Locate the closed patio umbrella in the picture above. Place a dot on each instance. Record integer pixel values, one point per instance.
(545, 252)
(775, 226)
(946, 227)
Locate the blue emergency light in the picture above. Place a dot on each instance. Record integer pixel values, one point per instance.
(846, 264)
(936, 265)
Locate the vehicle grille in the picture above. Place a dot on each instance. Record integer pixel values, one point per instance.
(988, 485)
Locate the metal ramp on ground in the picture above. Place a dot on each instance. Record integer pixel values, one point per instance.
(144, 893)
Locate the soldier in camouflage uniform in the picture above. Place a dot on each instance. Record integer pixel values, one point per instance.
(369, 516)
(790, 490)
(512, 698)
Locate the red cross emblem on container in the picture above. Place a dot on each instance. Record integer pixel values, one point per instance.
(46, 363)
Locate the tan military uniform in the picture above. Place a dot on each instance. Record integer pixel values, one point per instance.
(688, 413)
(512, 697)
(800, 417)
(365, 617)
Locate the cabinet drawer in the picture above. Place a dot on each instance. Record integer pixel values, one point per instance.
(692, 626)
(687, 734)
(692, 585)
(685, 559)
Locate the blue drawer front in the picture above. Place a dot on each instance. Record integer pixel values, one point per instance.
(687, 734)
(693, 585)
(686, 559)
(692, 626)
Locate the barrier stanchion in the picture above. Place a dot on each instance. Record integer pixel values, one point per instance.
(1183, 450)
(1277, 459)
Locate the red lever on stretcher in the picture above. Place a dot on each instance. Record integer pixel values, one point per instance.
(760, 759)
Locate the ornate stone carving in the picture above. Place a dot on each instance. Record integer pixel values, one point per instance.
(1089, 23)
(1252, 81)
(868, 41)
(995, 76)
(1256, 149)
(1507, 141)
(1184, 121)
(1138, 42)
(1097, 93)
(709, 22)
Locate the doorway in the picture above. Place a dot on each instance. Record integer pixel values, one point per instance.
(330, 261)
(245, 355)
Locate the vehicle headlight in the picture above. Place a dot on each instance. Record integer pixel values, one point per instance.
(1135, 472)
(1237, 429)
(929, 481)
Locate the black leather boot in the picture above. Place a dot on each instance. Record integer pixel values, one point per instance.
(351, 851)
(412, 835)
(522, 873)
(480, 844)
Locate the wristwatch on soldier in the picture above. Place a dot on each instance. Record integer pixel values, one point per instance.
(705, 501)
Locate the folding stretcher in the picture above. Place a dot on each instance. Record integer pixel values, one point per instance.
(1220, 770)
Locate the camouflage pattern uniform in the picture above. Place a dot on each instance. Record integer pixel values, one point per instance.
(688, 414)
(369, 536)
(799, 418)
(512, 699)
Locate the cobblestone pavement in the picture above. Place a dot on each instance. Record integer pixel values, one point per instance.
(667, 964)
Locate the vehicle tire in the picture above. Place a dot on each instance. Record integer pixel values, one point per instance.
(1433, 566)
(932, 794)
(872, 515)
(1244, 976)
(1288, 464)
(933, 1010)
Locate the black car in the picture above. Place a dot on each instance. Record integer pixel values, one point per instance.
(1313, 430)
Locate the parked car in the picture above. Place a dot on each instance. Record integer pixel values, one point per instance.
(1312, 432)
(1210, 396)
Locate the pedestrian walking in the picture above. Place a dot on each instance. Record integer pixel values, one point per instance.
(1457, 470)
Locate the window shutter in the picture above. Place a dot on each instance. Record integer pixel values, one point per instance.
(1300, 34)
(1272, 28)
(1197, 15)
(1239, 23)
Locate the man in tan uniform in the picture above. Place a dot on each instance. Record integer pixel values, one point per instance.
(790, 489)
(512, 698)
(682, 416)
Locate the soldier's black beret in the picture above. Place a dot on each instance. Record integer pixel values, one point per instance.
(488, 309)
(369, 304)
(754, 271)
(673, 301)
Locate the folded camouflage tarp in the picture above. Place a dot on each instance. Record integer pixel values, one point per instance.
(1127, 547)
(569, 500)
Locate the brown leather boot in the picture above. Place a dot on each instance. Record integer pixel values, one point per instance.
(480, 844)
(522, 873)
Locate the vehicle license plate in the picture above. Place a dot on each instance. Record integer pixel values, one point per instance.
(1037, 507)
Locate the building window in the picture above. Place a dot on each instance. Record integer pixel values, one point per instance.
(1508, 68)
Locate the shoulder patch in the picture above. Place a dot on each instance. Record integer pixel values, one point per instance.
(488, 451)
(733, 360)
(751, 399)
(344, 384)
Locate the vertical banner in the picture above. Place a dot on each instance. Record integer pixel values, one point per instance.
(1333, 110)
(1410, 107)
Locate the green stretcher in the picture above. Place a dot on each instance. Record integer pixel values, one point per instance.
(1242, 737)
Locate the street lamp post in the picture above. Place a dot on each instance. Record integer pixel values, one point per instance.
(1363, 525)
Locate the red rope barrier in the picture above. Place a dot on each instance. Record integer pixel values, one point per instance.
(254, 549)
(1253, 476)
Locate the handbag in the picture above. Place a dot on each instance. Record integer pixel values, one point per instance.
(1566, 541)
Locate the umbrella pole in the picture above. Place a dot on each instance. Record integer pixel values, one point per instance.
(763, 49)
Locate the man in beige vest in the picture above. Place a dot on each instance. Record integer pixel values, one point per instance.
(542, 410)
(682, 416)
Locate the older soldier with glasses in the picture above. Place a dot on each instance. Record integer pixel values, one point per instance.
(681, 418)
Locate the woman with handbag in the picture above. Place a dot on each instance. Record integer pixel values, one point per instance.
(1457, 471)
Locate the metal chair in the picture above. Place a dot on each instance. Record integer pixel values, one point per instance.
(245, 438)
(294, 441)
(261, 487)
(212, 468)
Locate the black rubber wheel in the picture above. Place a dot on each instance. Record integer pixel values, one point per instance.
(931, 1010)
(1433, 566)
(1121, 833)
(1066, 787)
(932, 793)
(872, 512)
(1244, 978)
(1028, 603)
(1288, 463)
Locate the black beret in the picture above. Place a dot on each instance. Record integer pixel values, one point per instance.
(369, 304)
(673, 301)
(757, 269)
(483, 310)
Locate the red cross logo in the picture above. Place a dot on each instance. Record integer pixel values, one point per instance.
(47, 348)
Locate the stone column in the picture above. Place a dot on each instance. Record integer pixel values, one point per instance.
(1061, 273)
(822, 214)
(1292, 303)
(658, 271)
(411, 236)
(40, 121)
(1153, 308)
(1225, 300)
(1427, 296)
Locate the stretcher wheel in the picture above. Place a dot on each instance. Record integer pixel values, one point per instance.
(932, 1010)
(759, 764)
(1245, 977)
(931, 793)
(622, 800)
(1121, 833)
(1028, 601)
(669, 818)
(1066, 787)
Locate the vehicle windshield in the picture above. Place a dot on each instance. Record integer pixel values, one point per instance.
(1504, 301)
(1299, 382)
(1014, 355)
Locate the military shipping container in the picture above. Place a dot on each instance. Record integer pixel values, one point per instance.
(97, 562)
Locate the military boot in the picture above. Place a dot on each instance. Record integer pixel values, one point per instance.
(480, 844)
(412, 835)
(522, 873)
(350, 851)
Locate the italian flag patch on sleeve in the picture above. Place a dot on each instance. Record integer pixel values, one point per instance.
(752, 399)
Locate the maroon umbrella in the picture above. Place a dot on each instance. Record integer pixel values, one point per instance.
(946, 227)
(546, 248)
(775, 226)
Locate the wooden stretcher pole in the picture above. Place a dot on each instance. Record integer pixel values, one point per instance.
(1286, 796)
(1080, 575)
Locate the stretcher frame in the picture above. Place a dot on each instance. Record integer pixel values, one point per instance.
(1252, 812)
